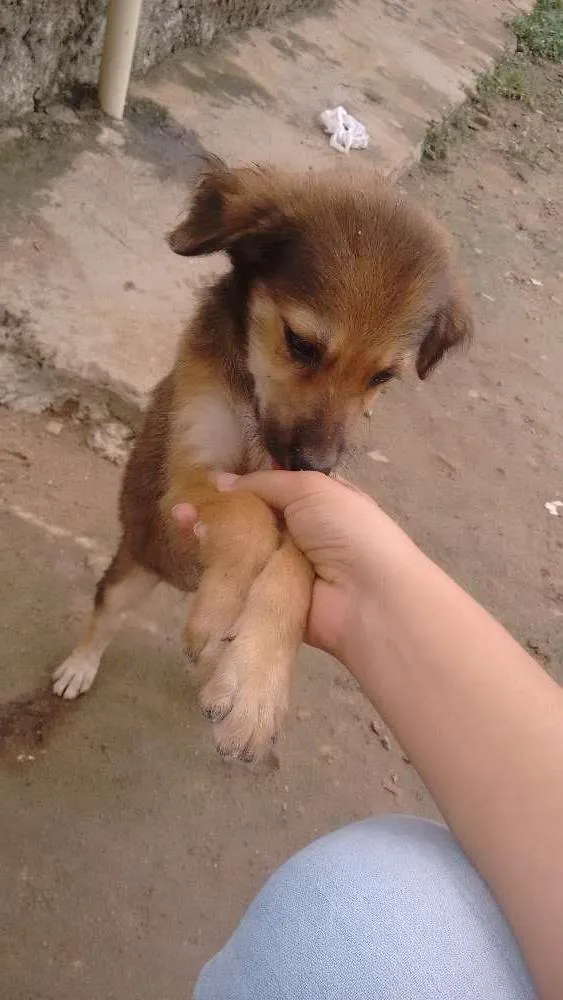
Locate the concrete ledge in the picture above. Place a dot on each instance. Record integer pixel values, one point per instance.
(47, 46)
(99, 300)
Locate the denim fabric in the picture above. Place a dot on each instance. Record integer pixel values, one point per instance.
(386, 909)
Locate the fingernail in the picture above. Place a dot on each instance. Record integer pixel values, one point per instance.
(226, 481)
(184, 513)
(200, 530)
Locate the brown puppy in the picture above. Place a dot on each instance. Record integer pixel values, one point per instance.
(336, 281)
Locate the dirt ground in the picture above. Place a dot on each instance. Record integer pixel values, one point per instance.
(131, 848)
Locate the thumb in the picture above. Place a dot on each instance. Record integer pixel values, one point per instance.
(278, 489)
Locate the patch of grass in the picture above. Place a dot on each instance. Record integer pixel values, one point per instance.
(540, 33)
(507, 81)
(440, 135)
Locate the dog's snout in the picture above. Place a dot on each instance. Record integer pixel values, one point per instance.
(315, 445)
(308, 446)
(300, 461)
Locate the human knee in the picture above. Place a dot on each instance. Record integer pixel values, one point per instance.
(386, 907)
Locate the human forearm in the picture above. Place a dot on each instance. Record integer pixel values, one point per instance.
(481, 721)
(484, 726)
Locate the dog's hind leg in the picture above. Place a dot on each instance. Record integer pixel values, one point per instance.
(124, 584)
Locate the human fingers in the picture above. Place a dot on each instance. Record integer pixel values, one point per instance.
(186, 517)
(279, 489)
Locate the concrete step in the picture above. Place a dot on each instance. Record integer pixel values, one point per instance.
(90, 292)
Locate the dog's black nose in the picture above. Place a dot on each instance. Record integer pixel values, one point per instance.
(300, 461)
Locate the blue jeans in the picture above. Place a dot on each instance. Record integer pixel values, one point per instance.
(385, 909)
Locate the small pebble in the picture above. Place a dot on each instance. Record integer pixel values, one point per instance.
(379, 731)
(54, 427)
(63, 114)
(109, 137)
(480, 118)
(378, 456)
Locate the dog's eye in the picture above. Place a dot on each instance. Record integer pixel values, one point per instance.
(381, 377)
(302, 349)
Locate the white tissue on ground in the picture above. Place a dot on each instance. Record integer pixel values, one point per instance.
(345, 132)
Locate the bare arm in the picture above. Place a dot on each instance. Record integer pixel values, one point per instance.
(479, 718)
(484, 726)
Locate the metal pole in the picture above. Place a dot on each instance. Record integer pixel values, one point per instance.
(117, 55)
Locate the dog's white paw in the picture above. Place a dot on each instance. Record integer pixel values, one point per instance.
(76, 675)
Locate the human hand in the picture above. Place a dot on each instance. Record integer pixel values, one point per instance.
(342, 532)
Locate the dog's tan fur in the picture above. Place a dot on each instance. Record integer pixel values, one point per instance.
(365, 281)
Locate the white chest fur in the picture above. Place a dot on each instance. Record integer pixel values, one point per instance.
(220, 434)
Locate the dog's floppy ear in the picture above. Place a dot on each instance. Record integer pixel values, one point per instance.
(452, 325)
(235, 211)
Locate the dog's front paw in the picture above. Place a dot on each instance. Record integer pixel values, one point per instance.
(236, 541)
(247, 695)
(76, 675)
(211, 621)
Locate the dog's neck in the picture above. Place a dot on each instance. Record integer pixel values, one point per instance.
(219, 333)
(218, 337)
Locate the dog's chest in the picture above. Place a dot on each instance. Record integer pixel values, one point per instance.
(222, 434)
